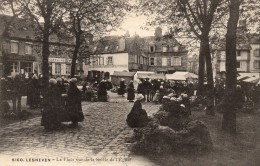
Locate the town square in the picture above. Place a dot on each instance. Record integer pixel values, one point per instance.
(129, 82)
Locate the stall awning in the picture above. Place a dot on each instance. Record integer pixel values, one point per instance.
(123, 74)
(242, 77)
(150, 76)
(252, 80)
(180, 76)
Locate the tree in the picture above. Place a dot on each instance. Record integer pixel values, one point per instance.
(89, 18)
(14, 10)
(51, 13)
(197, 16)
(229, 115)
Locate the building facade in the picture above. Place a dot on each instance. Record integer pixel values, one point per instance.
(20, 51)
(248, 59)
(161, 54)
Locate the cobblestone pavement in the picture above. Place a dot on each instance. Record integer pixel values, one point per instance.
(101, 136)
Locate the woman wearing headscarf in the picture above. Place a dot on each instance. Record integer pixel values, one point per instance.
(121, 89)
(102, 91)
(51, 107)
(74, 103)
(137, 116)
(131, 92)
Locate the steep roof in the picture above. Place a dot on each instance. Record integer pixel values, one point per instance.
(22, 28)
(109, 44)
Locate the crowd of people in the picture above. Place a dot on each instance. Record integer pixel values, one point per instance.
(61, 106)
(61, 101)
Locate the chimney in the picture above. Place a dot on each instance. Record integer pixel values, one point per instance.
(158, 33)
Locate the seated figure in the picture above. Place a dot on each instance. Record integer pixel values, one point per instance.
(137, 116)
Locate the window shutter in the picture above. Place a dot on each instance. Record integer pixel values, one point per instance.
(155, 61)
(172, 61)
(180, 61)
(257, 52)
(53, 68)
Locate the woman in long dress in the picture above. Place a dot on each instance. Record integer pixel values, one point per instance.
(137, 116)
(131, 92)
(51, 107)
(74, 103)
(121, 89)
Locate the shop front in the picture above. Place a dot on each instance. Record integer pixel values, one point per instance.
(18, 64)
(59, 67)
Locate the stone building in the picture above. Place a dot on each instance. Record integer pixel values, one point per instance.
(159, 53)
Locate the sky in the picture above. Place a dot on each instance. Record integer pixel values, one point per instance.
(134, 25)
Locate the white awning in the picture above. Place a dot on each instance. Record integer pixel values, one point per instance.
(252, 79)
(180, 76)
(242, 77)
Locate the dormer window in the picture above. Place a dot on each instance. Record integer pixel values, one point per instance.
(14, 47)
(95, 48)
(106, 48)
(175, 48)
(28, 48)
(152, 48)
(165, 48)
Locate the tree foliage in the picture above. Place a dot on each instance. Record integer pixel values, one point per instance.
(85, 19)
(47, 16)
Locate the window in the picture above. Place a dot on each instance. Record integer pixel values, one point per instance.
(95, 48)
(176, 61)
(238, 65)
(165, 48)
(14, 67)
(28, 49)
(151, 48)
(153, 61)
(110, 60)
(57, 68)
(238, 53)
(14, 47)
(257, 52)
(136, 58)
(68, 69)
(87, 61)
(101, 60)
(95, 61)
(257, 64)
(141, 60)
(164, 61)
(28, 67)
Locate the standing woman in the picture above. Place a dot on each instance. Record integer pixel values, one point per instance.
(51, 107)
(102, 91)
(131, 92)
(122, 86)
(74, 103)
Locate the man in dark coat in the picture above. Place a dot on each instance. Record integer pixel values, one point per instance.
(140, 87)
(147, 88)
(131, 92)
(74, 103)
(137, 116)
